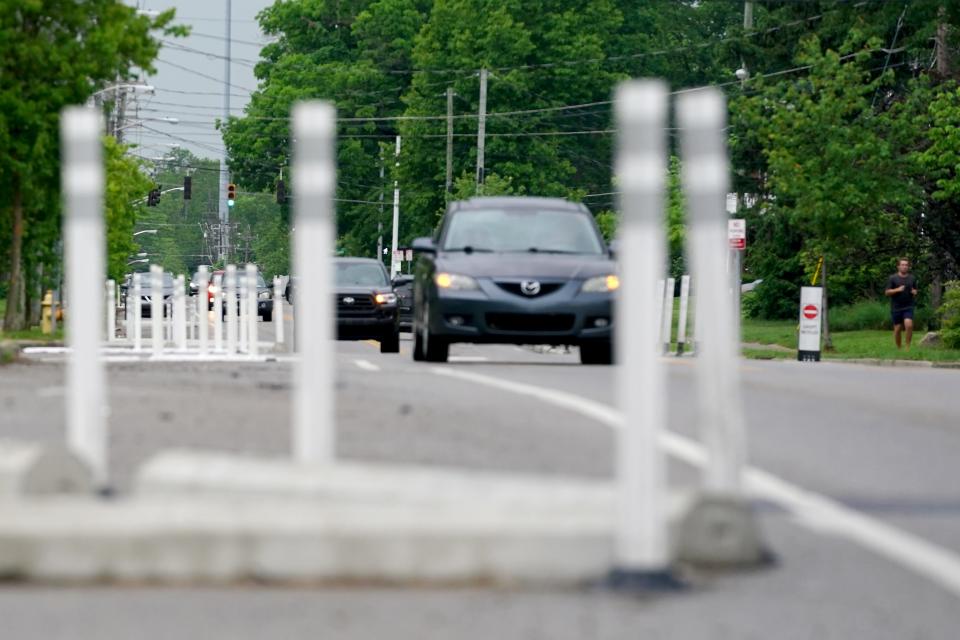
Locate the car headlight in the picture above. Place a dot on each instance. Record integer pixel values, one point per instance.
(386, 298)
(455, 282)
(212, 289)
(264, 295)
(601, 284)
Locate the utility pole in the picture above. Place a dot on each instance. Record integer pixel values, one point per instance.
(395, 238)
(224, 176)
(747, 15)
(481, 129)
(449, 181)
(943, 56)
(380, 217)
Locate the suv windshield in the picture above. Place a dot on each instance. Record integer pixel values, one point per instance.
(519, 230)
(360, 274)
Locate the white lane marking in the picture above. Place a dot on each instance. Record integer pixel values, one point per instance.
(468, 359)
(816, 512)
(366, 365)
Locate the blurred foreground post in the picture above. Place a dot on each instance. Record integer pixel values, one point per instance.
(278, 309)
(179, 314)
(203, 311)
(111, 292)
(218, 312)
(682, 313)
(230, 299)
(313, 245)
(157, 309)
(642, 555)
(82, 177)
(252, 315)
(667, 328)
(137, 312)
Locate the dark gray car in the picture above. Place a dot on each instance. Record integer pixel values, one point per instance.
(514, 270)
(146, 292)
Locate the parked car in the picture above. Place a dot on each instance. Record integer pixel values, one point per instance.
(146, 292)
(403, 287)
(264, 293)
(366, 303)
(515, 270)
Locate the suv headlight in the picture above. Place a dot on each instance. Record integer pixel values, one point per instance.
(264, 295)
(455, 282)
(601, 284)
(386, 298)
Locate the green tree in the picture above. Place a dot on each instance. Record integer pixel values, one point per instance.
(126, 183)
(53, 53)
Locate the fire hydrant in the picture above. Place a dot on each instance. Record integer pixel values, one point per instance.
(47, 305)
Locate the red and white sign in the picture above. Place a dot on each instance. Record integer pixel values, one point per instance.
(810, 312)
(811, 302)
(737, 233)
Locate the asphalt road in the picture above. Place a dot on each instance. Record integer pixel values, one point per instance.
(882, 441)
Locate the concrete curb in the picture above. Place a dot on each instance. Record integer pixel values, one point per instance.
(29, 469)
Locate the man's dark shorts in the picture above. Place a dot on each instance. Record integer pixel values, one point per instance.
(899, 316)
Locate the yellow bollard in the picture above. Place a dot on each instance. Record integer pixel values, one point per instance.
(47, 304)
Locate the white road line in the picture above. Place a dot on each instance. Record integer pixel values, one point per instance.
(814, 511)
(366, 365)
(468, 359)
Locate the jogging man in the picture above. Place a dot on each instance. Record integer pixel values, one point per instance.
(902, 291)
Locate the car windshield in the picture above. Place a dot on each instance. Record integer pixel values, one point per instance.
(242, 278)
(146, 279)
(361, 274)
(521, 230)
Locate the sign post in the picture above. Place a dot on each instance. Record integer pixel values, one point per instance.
(811, 307)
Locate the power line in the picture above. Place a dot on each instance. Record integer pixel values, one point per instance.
(202, 75)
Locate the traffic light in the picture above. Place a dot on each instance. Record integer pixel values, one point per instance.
(281, 192)
(187, 186)
(153, 198)
(231, 194)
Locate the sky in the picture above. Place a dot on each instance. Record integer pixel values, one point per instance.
(190, 74)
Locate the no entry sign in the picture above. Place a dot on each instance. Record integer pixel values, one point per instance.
(737, 234)
(811, 301)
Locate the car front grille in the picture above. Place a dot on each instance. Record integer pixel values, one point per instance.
(361, 305)
(530, 322)
(515, 288)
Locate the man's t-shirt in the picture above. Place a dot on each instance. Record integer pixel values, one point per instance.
(904, 299)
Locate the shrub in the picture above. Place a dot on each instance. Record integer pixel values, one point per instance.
(950, 315)
(866, 314)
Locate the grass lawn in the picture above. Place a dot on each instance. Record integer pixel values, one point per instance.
(847, 344)
(27, 334)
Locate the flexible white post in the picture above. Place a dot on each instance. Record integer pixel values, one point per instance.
(667, 330)
(278, 310)
(242, 313)
(641, 535)
(314, 173)
(111, 310)
(156, 309)
(253, 345)
(218, 312)
(179, 314)
(682, 313)
(203, 329)
(137, 312)
(82, 179)
(657, 303)
(701, 116)
(230, 299)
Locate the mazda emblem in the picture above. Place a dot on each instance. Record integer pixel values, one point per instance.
(348, 300)
(530, 287)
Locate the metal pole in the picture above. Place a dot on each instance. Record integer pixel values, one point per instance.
(252, 315)
(701, 116)
(748, 15)
(481, 130)
(203, 308)
(642, 553)
(278, 309)
(395, 236)
(380, 218)
(682, 318)
(137, 312)
(231, 301)
(315, 175)
(449, 180)
(156, 309)
(224, 210)
(82, 177)
(111, 311)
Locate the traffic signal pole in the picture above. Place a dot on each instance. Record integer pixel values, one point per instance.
(224, 210)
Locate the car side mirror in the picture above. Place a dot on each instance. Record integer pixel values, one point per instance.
(424, 245)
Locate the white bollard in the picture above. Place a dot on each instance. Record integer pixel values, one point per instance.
(230, 299)
(278, 310)
(666, 331)
(156, 309)
(218, 312)
(682, 314)
(701, 117)
(657, 303)
(253, 345)
(82, 179)
(137, 312)
(642, 552)
(179, 314)
(203, 311)
(314, 132)
(242, 309)
(111, 311)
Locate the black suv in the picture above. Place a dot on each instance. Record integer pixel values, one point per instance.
(366, 303)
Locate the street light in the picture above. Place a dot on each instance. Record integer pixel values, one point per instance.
(136, 88)
(141, 261)
(137, 233)
(138, 123)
